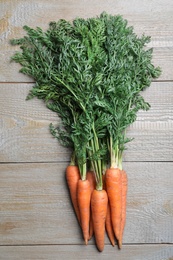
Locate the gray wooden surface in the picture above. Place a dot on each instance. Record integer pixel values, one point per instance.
(36, 217)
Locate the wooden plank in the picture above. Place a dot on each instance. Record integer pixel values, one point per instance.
(146, 17)
(22, 125)
(35, 206)
(25, 137)
(135, 252)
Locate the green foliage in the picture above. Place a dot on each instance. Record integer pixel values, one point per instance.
(91, 73)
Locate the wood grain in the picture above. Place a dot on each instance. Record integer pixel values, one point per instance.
(35, 206)
(36, 216)
(146, 17)
(25, 135)
(54, 252)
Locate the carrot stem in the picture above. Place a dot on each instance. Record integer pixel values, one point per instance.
(84, 171)
(97, 164)
(82, 166)
(73, 159)
(112, 154)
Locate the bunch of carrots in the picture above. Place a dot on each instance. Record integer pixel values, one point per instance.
(99, 209)
(91, 72)
(98, 192)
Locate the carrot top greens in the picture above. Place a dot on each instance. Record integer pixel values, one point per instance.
(91, 73)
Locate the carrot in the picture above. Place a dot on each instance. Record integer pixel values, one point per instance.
(104, 182)
(99, 201)
(84, 198)
(108, 224)
(123, 215)
(91, 229)
(72, 177)
(91, 179)
(109, 227)
(114, 191)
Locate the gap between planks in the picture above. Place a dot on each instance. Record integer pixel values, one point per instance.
(91, 244)
(66, 162)
(31, 82)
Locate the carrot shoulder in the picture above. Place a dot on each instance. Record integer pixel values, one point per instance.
(114, 191)
(72, 178)
(99, 201)
(84, 198)
(123, 214)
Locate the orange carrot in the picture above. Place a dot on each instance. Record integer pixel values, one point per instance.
(72, 177)
(99, 201)
(109, 227)
(91, 179)
(108, 224)
(114, 191)
(91, 229)
(123, 215)
(84, 198)
(104, 181)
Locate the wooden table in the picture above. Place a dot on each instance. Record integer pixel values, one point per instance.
(36, 216)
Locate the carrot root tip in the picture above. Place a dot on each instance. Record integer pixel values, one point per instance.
(100, 249)
(86, 242)
(120, 244)
(89, 238)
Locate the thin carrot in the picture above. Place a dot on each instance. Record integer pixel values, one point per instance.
(91, 229)
(109, 227)
(72, 177)
(84, 198)
(108, 223)
(91, 179)
(123, 215)
(99, 201)
(114, 191)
